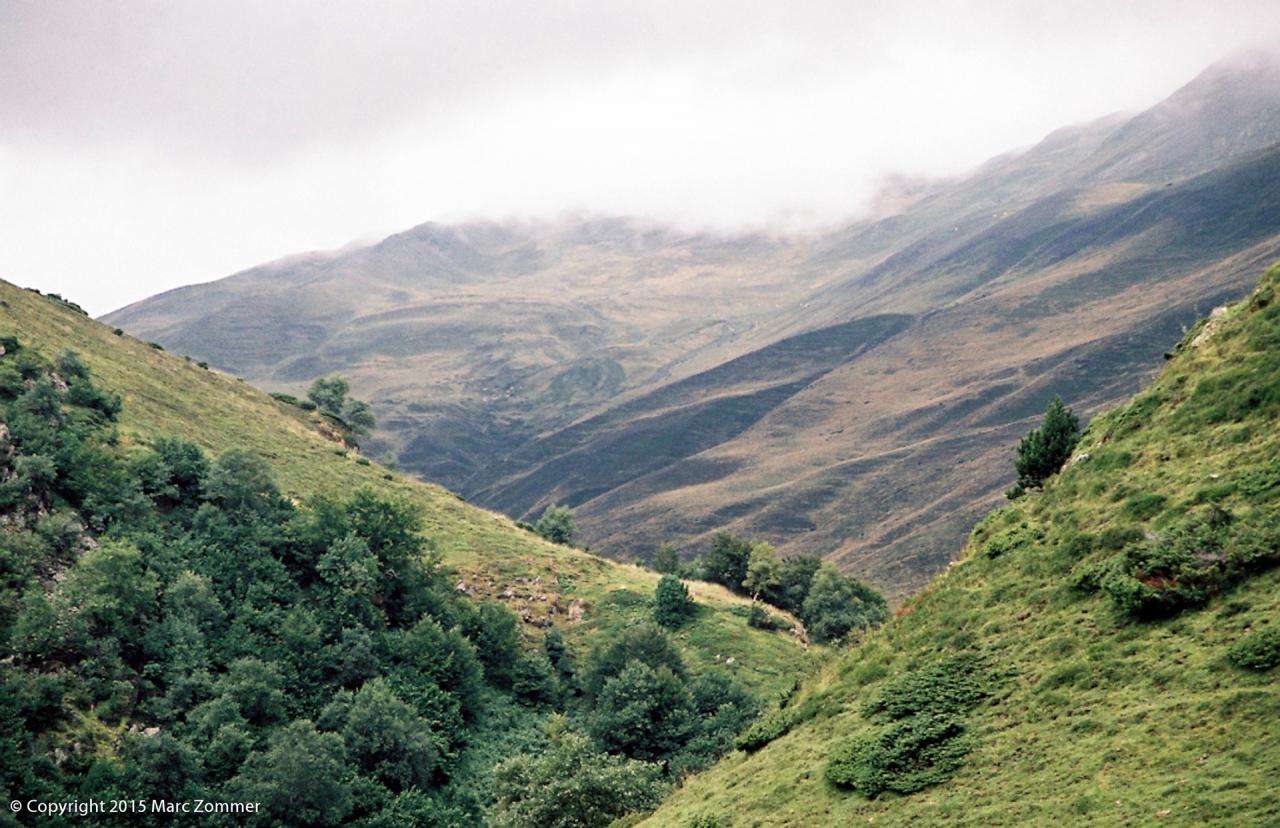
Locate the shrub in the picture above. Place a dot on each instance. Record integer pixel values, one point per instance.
(837, 605)
(764, 731)
(1010, 539)
(1078, 545)
(1156, 579)
(571, 784)
(761, 619)
(1116, 538)
(1190, 562)
(908, 756)
(1261, 483)
(923, 740)
(533, 678)
(1042, 453)
(706, 821)
(329, 395)
(951, 686)
(1088, 579)
(775, 725)
(666, 560)
(1143, 506)
(672, 605)
(1259, 650)
(556, 525)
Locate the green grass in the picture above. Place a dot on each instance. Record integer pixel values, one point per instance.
(544, 583)
(1096, 718)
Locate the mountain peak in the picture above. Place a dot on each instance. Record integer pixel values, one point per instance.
(1230, 109)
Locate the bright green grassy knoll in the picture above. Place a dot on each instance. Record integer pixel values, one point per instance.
(164, 394)
(1085, 714)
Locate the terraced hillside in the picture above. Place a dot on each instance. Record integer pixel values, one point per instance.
(1107, 652)
(524, 364)
(588, 596)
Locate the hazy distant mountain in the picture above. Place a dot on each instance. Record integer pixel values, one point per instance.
(854, 394)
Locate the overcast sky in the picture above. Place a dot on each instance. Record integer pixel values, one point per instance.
(145, 145)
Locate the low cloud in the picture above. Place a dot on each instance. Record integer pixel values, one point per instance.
(147, 145)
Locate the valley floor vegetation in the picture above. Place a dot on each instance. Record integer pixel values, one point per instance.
(834, 607)
(173, 627)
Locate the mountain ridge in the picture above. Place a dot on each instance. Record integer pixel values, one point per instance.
(554, 327)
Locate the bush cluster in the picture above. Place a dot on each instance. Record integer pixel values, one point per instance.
(1258, 650)
(1186, 564)
(831, 604)
(920, 737)
(774, 726)
(645, 721)
(556, 525)
(761, 619)
(329, 395)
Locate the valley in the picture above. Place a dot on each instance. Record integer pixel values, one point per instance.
(667, 385)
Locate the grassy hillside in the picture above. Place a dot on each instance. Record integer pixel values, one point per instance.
(590, 597)
(1101, 655)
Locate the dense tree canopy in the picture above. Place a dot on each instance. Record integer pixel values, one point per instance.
(572, 785)
(172, 625)
(311, 657)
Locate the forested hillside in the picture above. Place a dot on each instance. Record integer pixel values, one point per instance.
(1106, 652)
(207, 595)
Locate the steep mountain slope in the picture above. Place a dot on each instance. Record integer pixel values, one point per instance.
(884, 461)
(1107, 652)
(616, 366)
(470, 339)
(590, 597)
